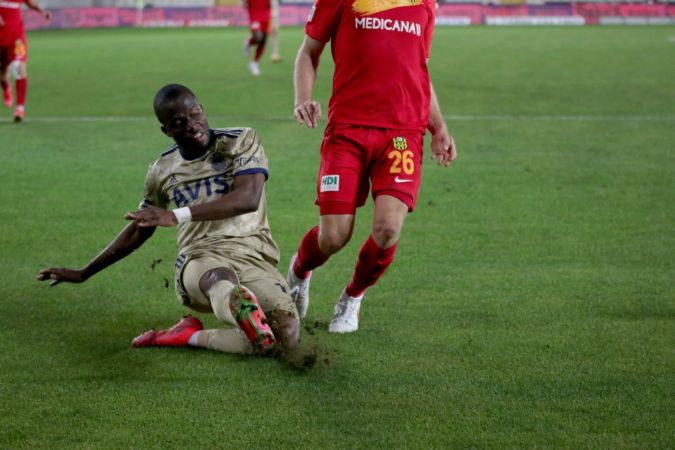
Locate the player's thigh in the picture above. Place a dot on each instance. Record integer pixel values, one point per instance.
(343, 183)
(397, 170)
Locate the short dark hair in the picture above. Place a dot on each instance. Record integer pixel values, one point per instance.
(166, 94)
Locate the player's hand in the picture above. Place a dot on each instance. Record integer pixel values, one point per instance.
(443, 148)
(308, 112)
(57, 275)
(152, 217)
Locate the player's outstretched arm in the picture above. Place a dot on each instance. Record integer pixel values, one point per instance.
(129, 239)
(307, 111)
(443, 148)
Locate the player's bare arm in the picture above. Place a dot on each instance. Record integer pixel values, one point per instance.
(128, 240)
(36, 7)
(443, 148)
(307, 111)
(243, 198)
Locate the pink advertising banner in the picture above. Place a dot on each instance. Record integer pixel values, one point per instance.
(296, 14)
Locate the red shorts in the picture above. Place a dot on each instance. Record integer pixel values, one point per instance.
(353, 158)
(15, 50)
(259, 20)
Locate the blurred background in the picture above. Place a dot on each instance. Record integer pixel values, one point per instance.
(167, 13)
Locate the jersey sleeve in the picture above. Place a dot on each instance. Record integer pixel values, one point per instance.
(429, 29)
(323, 19)
(248, 155)
(152, 195)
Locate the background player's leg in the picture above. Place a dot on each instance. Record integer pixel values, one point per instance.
(6, 88)
(274, 31)
(21, 84)
(261, 47)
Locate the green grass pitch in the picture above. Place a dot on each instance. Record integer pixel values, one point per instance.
(531, 304)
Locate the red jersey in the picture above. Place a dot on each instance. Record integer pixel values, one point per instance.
(10, 11)
(259, 5)
(380, 49)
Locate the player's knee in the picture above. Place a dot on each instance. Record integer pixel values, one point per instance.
(385, 234)
(331, 242)
(258, 37)
(18, 70)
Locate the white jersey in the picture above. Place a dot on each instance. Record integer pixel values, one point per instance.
(173, 182)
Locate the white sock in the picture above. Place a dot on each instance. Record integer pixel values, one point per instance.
(194, 339)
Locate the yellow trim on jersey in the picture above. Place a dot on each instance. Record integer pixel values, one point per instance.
(367, 7)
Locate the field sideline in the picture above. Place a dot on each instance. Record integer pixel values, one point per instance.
(531, 305)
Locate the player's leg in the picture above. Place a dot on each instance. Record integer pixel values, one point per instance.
(230, 301)
(275, 27)
(375, 256)
(4, 76)
(261, 47)
(396, 175)
(257, 37)
(205, 286)
(341, 188)
(271, 289)
(20, 73)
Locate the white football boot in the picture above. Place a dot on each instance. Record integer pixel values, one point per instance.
(253, 68)
(299, 288)
(346, 317)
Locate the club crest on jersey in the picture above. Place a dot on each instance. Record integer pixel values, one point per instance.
(330, 183)
(400, 143)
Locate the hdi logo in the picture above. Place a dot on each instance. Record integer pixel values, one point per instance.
(330, 183)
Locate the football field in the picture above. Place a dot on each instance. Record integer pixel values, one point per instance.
(531, 303)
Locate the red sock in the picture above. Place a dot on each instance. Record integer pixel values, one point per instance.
(21, 89)
(309, 254)
(371, 265)
(259, 51)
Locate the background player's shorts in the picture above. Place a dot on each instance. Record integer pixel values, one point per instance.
(353, 158)
(16, 50)
(259, 20)
(261, 277)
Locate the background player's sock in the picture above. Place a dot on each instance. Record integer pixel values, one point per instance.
(259, 51)
(309, 254)
(371, 264)
(21, 90)
(6, 94)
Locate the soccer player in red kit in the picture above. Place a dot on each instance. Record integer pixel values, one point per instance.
(259, 13)
(380, 108)
(14, 52)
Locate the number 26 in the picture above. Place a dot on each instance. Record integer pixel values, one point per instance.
(402, 159)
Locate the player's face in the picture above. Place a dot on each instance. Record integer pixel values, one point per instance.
(185, 122)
